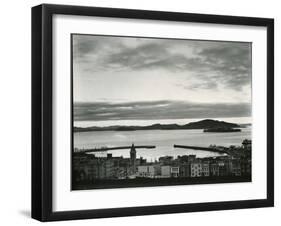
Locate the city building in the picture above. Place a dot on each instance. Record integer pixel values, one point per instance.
(88, 167)
(165, 160)
(214, 169)
(205, 170)
(185, 170)
(151, 171)
(165, 171)
(235, 167)
(247, 144)
(175, 171)
(195, 169)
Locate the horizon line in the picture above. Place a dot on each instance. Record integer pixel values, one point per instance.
(179, 124)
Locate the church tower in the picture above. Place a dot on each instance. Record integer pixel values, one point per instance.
(133, 157)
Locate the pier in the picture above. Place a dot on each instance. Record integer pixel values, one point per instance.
(201, 148)
(104, 149)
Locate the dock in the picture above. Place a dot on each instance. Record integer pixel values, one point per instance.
(117, 148)
(201, 148)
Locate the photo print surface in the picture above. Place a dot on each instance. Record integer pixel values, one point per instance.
(154, 111)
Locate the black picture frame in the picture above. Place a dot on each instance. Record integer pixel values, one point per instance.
(42, 107)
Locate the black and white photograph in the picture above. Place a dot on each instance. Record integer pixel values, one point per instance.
(155, 111)
(141, 112)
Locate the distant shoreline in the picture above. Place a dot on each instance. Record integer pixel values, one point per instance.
(203, 124)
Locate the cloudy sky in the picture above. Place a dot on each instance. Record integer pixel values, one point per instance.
(129, 80)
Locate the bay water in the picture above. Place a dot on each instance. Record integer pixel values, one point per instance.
(164, 141)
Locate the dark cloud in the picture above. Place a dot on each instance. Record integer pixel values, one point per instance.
(85, 44)
(226, 63)
(101, 111)
(149, 56)
(230, 63)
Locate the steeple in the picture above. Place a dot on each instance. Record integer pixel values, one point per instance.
(133, 156)
(133, 153)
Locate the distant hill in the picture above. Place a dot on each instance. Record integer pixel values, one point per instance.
(203, 124)
(209, 124)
